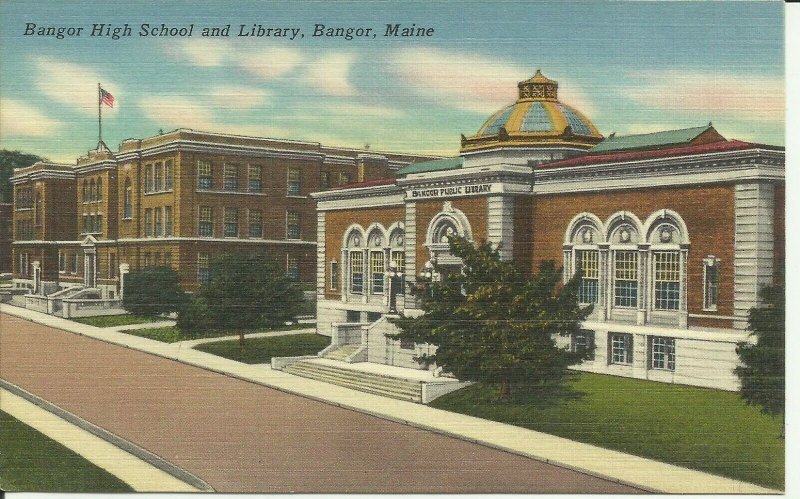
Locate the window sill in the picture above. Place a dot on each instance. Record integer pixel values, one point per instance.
(296, 196)
(127, 219)
(715, 309)
(661, 369)
(240, 193)
(158, 192)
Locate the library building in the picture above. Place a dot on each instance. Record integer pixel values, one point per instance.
(674, 232)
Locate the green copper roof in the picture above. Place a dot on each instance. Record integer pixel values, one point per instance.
(436, 165)
(650, 140)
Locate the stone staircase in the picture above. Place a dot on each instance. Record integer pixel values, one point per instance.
(378, 384)
(342, 353)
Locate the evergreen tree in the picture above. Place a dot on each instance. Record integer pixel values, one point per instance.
(8, 161)
(762, 372)
(493, 323)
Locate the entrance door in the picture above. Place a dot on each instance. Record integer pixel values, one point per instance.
(89, 271)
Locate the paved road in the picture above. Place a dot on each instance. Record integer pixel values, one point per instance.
(242, 437)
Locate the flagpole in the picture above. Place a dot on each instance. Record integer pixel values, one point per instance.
(99, 117)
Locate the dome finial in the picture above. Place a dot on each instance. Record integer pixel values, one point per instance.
(538, 87)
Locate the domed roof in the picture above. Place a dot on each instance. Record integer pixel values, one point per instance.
(537, 119)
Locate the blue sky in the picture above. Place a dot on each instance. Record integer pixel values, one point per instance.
(630, 66)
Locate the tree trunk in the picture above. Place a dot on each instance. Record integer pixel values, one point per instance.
(241, 340)
(505, 389)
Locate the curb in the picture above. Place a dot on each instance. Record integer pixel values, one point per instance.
(111, 438)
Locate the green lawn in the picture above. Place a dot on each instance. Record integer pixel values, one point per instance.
(32, 462)
(709, 430)
(261, 350)
(118, 320)
(172, 334)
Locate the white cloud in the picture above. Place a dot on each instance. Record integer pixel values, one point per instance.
(268, 63)
(470, 82)
(18, 119)
(356, 111)
(742, 96)
(237, 96)
(203, 53)
(74, 85)
(179, 112)
(330, 74)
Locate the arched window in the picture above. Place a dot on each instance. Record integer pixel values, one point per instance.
(37, 210)
(624, 234)
(354, 251)
(668, 239)
(582, 255)
(446, 224)
(397, 257)
(376, 242)
(128, 200)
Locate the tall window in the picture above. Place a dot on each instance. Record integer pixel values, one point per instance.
(99, 189)
(128, 200)
(37, 209)
(376, 268)
(112, 265)
(168, 167)
(662, 353)
(292, 225)
(621, 347)
(292, 268)
(92, 190)
(168, 220)
(98, 224)
(334, 275)
(85, 191)
(148, 260)
(148, 222)
(159, 176)
(204, 178)
(86, 227)
(231, 227)
(324, 181)
(168, 259)
(24, 267)
(667, 280)
(399, 260)
(626, 275)
(73, 268)
(62, 262)
(159, 230)
(254, 178)
(203, 273)
(711, 280)
(230, 177)
(148, 178)
(205, 227)
(293, 182)
(590, 275)
(255, 224)
(356, 272)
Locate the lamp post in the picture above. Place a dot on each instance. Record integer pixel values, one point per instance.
(394, 273)
(429, 274)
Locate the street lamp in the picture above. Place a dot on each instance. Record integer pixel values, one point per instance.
(394, 273)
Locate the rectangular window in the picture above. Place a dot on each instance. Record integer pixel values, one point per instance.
(407, 344)
(324, 181)
(344, 178)
(168, 175)
(588, 263)
(292, 182)
(168, 259)
(376, 269)
(205, 227)
(334, 275)
(203, 273)
(292, 225)
(230, 177)
(667, 280)
(231, 227)
(626, 278)
(205, 180)
(583, 342)
(168, 220)
(99, 227)
(23, 264)
(357, 272)
(148, 178)
(159, 176)
(711, 279)
(621, 347)
(148, 260)
(254, 178)
(292, 268)
(62, 262)
(255, 224)
(112, 265)
(399, 260)
(73, 268)
(148, 222)
(159, 215)
(662, 353)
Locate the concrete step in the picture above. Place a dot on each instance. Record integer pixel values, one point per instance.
(357, 380)
(342, 352)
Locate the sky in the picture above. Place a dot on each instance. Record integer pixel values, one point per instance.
(631, 67)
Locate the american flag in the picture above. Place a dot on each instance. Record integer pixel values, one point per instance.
(106, 98)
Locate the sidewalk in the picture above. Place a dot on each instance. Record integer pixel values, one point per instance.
(617, 466)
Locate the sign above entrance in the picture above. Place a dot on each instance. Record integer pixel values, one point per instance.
(452, 191)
